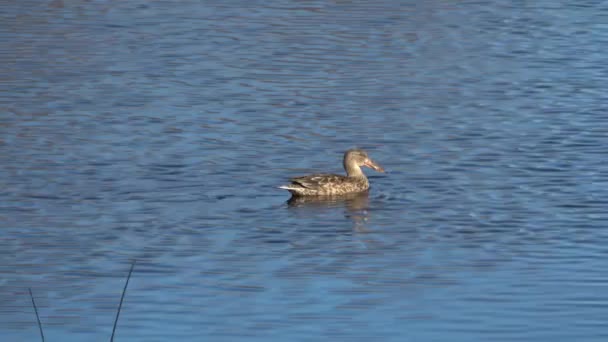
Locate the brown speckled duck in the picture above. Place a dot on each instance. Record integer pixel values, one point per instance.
(335, 185)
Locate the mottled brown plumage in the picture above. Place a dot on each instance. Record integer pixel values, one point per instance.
(354, 201)
(334, 185)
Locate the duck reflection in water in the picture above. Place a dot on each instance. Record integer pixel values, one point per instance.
(356, 205)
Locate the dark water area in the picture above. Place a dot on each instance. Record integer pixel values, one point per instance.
(159, 132)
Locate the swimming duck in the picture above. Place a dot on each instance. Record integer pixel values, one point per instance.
(334, 185)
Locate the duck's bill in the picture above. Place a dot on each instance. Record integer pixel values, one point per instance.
(372, 164)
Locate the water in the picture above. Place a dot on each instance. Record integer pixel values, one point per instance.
(158, 131)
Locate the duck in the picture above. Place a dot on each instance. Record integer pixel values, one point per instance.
(322, 184)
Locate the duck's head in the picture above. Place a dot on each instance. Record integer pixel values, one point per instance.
(360, 158)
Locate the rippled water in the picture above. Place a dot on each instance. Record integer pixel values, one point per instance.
(158, 131)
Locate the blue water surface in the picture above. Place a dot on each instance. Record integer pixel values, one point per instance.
(158, 131)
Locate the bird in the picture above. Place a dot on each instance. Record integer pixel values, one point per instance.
(323, 184)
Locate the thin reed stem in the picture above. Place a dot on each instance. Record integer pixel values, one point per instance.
(122, 297)
(36, 311)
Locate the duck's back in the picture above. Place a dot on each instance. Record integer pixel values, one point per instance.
(326, 184)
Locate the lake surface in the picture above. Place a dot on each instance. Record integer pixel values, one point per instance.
(159, 131)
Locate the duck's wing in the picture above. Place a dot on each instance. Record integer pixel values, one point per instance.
(318, 181)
